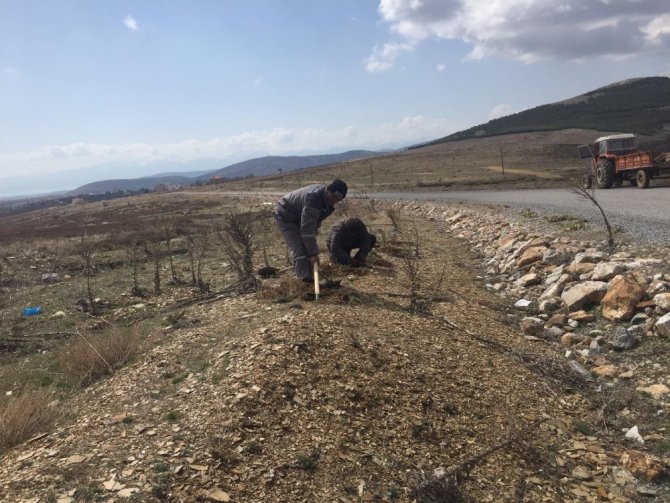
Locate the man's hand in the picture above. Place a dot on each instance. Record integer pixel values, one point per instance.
(314, 259)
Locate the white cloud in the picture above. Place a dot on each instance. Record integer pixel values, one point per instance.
(658, 30)
(501, 111)
(9, 70)
(534, 30)
(382, 58)
(441, 67)
(258, 81)
(278, 141)
(131, 24)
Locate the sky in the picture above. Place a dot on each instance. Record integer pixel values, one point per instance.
(140, 85)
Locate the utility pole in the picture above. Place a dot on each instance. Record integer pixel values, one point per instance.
(502, 161)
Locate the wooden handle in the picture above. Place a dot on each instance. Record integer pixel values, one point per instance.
(316, 280)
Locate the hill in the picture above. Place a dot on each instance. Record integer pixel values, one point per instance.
(268, 165)
(253, 167)
(130, 184)
(637, 106)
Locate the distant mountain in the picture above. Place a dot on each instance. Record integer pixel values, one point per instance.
(187, 174)
(148, 182)
(253, 167)
(271, 165)
(640, 106)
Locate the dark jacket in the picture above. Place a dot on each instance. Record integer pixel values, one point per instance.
(346, 235)
(306, 208)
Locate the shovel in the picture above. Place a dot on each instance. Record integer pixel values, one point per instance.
(316, 281)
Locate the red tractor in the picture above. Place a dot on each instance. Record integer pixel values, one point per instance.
(616, 158)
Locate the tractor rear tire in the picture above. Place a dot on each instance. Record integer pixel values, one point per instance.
(604, 173)
(643, 178)
(587, 181)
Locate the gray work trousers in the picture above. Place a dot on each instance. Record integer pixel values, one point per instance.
(301, 262)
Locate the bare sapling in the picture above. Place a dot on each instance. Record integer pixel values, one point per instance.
(422, 291)
(153, 250)
(590, 195)
(197, 244)
(4, 265)
(170, 229)
(86, 252)
(133, 245)
(394, 216)
(411, 267)
(236, 235)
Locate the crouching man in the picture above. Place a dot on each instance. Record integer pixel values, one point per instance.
(347, 235)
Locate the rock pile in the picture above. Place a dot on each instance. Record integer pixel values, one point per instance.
(569, 287)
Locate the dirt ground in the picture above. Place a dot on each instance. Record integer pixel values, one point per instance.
(269, 396)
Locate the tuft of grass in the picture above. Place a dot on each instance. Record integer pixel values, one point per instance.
(25, 416)
(528, 213)
(308, 462)
(583, 427)
(172, 416)
(568, 222)
(89, 358)
(179, 378)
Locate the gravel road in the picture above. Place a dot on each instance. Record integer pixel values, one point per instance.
(644, 214)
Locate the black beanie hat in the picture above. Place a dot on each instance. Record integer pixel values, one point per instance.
(338, 185)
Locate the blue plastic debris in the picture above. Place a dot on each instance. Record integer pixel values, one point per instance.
(32, 311)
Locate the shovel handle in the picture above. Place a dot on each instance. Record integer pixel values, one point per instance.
(316, 281)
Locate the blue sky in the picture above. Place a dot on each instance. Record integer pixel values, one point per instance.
(209, 82)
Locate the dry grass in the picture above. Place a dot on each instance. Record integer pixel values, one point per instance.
(286, 289)
(90, 358)
(23, 417)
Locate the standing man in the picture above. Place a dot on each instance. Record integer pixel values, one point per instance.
(298, 216)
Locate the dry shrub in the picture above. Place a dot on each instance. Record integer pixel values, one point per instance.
(25, 416)
(90, 358)
(285, 290)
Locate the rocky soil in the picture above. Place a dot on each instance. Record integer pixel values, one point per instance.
(536, 370)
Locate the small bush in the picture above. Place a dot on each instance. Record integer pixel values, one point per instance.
(23, 417)
(90, 358)
(288, 289)
(583, 427)
(528, 213)
(308, 462)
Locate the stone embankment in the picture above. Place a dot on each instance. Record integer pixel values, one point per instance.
(617, 296)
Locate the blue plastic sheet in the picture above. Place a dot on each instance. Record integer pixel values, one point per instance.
(32, 311)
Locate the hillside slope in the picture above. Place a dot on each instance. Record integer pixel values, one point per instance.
(638, 106)
(269, 165)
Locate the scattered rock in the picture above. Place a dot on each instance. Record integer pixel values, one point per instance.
(642, 465)
(584, 294)
(623, 294)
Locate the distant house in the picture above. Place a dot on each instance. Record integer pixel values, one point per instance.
(77, 200)
(166, 187)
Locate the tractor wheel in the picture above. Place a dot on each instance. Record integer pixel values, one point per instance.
(643, 178)
(587, 181)
(604, 173)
